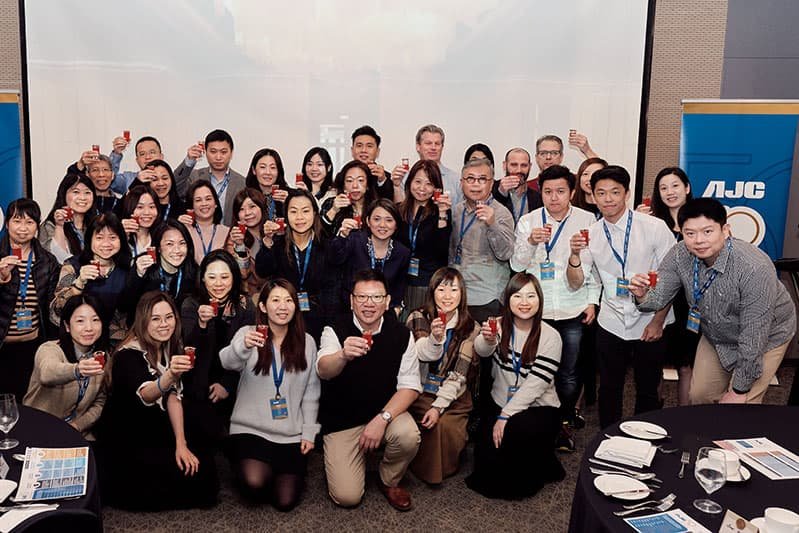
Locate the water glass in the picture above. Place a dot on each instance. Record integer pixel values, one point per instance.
(710, 470)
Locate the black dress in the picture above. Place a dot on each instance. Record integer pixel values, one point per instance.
(136, 445)
(681, 342)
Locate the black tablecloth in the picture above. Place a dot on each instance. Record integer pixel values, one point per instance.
(691, 428)
(42, 430)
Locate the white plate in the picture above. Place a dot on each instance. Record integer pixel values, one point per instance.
(617, 483)
(744, 476)
(641, 430)
(6, 488)
(759, 523)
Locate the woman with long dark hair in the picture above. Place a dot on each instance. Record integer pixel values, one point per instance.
(317, 174)
(304, 256)
(356, 189)
(170, 206)
(266, 175)
(444, 334)
(424, 228)
(274, 425)
(67, 379)
(149, 461)
(521, 419)
(205, 225)
(28, 276)
(100, 270)
(140, 217)
(583, 195)
(62, 232)
(249, 209)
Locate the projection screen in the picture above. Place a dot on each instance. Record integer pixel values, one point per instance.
(291, 75)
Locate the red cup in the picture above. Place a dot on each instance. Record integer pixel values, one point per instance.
(492, 323)
(151, 252)
(572, 133)
(437, 195)
(70, 214)
(17, 252)
(647, 201)
(96, 264)
(367, 336)
(191, 353)
(243, 228)
(190, 212)
(281, 225)
(99, 356)
(263, 329)
(126, 135)
(96, 148)
(298, 178)
(406, 163)
(584, 235)
(275, 188)
(136, 218)
(214, 307)
(357, 219)
(653, 278)
(201, 145)
(548, 227)
(443, 317)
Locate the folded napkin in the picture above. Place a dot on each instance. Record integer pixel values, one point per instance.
(632, 452)
(12, 519)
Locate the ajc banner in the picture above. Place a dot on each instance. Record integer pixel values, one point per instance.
(741, 153)
(11, 180)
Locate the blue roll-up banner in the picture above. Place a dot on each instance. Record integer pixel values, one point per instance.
(10, 152)
(741, 152)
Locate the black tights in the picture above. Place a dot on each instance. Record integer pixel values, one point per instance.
(258, 482)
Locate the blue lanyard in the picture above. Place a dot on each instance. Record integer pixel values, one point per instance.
(23, 287)
(622, 261)
(515, 357)
(277, 377)
(465, 227)
(271, 215)
(164, 287)
(167, 210)
(551, 244)
(206, 249)
(700, 293)
(83, 384)
(521, 206)
(413, 230)
(447, 341)
(78, 234)
(373, 260)
(221, 190)
(304, 269)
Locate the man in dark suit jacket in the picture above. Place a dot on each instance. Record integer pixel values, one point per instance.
(515, 190)
(218, 147)
(366, 149)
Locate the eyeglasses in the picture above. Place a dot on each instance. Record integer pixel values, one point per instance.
(149, 153)
(376, 298)
(548, 153)
(471, 180)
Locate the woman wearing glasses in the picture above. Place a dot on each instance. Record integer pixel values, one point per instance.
(521, 419)
(444, 334)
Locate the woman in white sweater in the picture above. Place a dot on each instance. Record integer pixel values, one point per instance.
(514, 456)
(273, 425)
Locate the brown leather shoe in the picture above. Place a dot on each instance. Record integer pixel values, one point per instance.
(398, 498)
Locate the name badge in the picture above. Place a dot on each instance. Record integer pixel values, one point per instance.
(305, 305)
(694, 319)
(458, 255)
(413, 267)
(24, 319)
(511, 391)
(622, 287)
(279, 407)
(547, 270)
(432, 383)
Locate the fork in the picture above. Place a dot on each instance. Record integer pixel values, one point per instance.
(640, 477)
(665, 506)
(684, 460)
(669, 497)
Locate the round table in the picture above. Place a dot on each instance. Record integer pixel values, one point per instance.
(36, 428)
(690, 429)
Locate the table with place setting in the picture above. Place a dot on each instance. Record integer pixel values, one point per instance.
(639, 461)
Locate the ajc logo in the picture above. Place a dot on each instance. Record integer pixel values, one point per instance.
(751, 190)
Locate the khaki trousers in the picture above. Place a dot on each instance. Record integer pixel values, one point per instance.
(345, 462)
(710, 381)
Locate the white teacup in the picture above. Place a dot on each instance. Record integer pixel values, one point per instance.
(779, 520)
(733, 463)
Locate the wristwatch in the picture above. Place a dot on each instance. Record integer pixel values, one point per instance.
(385, 415)
(440, 410)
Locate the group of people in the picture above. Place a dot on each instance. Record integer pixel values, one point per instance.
(169, 315)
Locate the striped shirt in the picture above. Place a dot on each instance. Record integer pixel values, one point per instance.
(30, 303)
(535, 381)
(746, 311)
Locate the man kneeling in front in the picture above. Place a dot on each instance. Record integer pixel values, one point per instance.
(370, 376)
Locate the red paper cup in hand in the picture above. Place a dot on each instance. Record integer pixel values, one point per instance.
(99, 356)
(443, 317)
(69, 214)
(281, 225)
(367, 336)
(357, 219)
(190, 212)
(135, 218)
(242, 228)
(262, 329)
(653, 278)
(275, 188)
(214, 307)
(406, 163)
(647, 201)
(126, 135)
(201, 144)
(492, 324)
(298, 178)
(548, 228)
(437, 195)
(151, 252)
(96, 264)
(191, 353)
(584, 235)
(96, 148)
(17, 252)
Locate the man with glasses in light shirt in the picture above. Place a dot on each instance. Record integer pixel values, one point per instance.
(549, 151)
(482, 240)
(542, 248)
(369, 371)
(622, 244)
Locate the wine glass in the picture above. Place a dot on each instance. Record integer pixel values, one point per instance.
(9, 414)
(710, 470)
